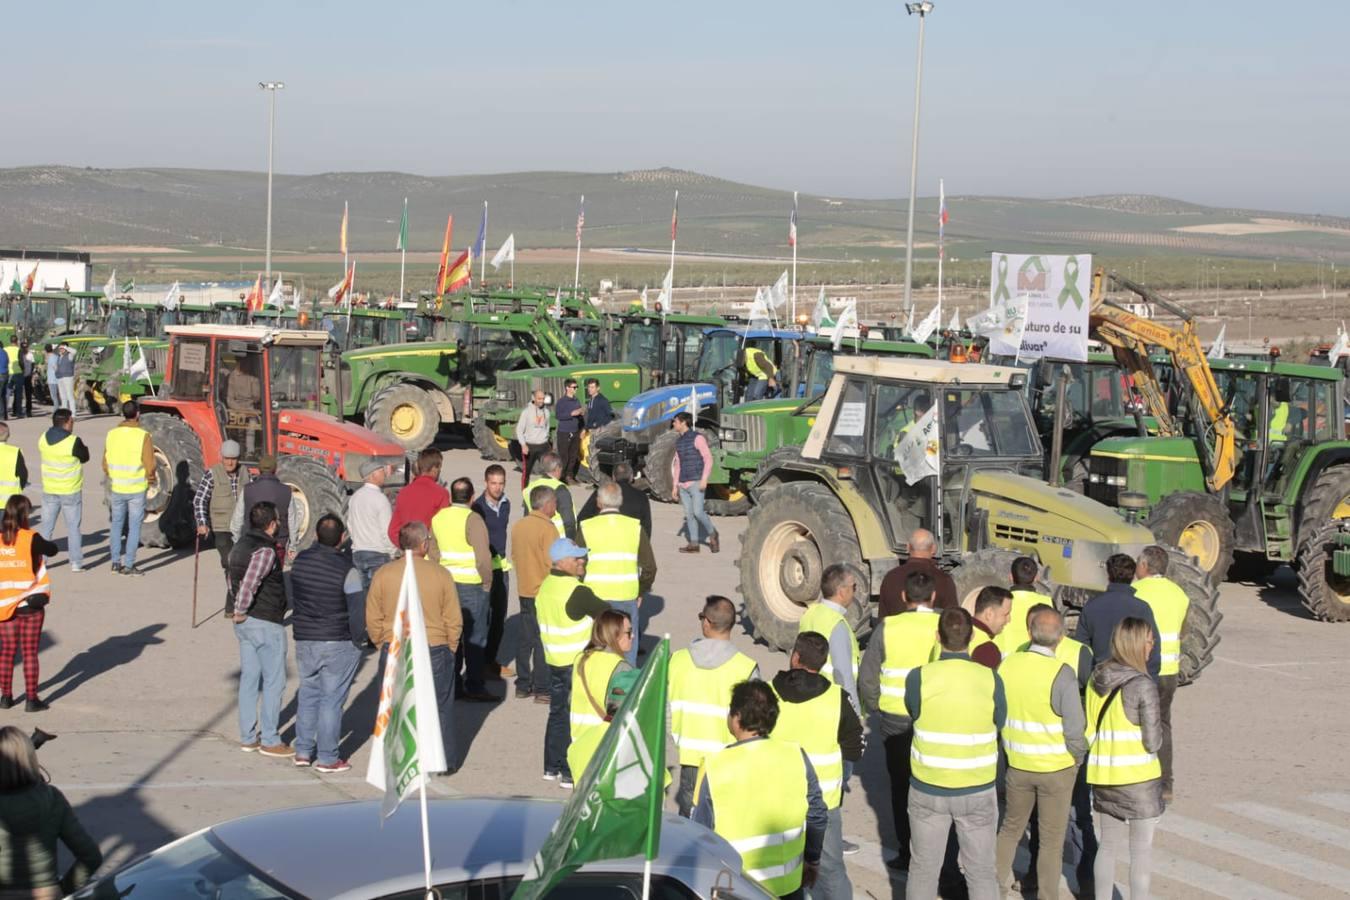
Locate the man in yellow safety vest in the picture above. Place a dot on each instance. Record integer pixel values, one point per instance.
(129, 463)
(621, 566)
(815, 714)
(1170, 605)
(548, 473)
(462, 541)
(62, 482)
(828, 617)
(763, 797)
(1014, 634)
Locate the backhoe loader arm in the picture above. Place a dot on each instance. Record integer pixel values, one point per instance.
(1130, 337)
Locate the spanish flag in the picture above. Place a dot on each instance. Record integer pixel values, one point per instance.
(32, 277)
(458, 274)
(445, 255)
(254, 301)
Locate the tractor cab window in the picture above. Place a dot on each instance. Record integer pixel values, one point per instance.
(239, 399)
(584, 338)
(191, 379)
(693, 345)
(642, 344)
(718, 359)
(985, 424)
(229, 316)
(1240, 392)
(818, 373)
(118, 325)
(1107, 396)
(848, 432)
(897, 408)
(295, 377)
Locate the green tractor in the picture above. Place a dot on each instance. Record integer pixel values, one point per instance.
(844, 498)
(629, 354)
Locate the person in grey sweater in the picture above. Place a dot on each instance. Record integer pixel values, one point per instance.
(1127, 814)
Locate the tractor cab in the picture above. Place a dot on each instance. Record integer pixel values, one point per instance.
(668, 347)
(143, 320)
(364, 328)
(725, 358)
(228, 312)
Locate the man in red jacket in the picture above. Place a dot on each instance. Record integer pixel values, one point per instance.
(422, 498)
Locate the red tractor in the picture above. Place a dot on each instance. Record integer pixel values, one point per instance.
(261, 387)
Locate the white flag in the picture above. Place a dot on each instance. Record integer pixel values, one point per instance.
(955, 326)
(759, 311)
(407, 738)
(1341, 347)
(274, 298)
(666, 287)
(929, 325)
(909, 323)
(507, 253)
(820, 316)
(170, 300)
(693, 402)
(1003, 324)
(1219, 348)
(918, 451)
(848, 318)
(778, 294)
(643, 298)
(140, 369)
(109, 289)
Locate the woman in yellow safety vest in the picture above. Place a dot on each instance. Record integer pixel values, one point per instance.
(24, 592)
(603, 658)
(1124, 733)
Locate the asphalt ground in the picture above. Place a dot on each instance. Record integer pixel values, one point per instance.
(144, 704)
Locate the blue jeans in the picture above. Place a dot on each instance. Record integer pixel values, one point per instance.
(262, 659)
(558, 731)
(631, 608)
(127, 510)
(71, 508)
(531, 670)
(473, 604)
(366, 562)
(443, 680)
(326, 672)
(756, 390)
(691, 498)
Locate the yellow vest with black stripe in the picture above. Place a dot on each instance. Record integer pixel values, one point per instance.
(908, 641)
(814, 726)
(955, 739)
(61, 471)
(450, 526)
(9, 471)
(1033, 735)
(821, 619)
(699, 702)
(612, 565)
(1116, 753)
(122, 453)
(1015, 633)
(557, 486)
(758, 791)
(562, 636)
(598, 666)
(1169, 604)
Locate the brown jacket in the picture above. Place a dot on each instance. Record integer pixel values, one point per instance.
(890, 602)
(531, 539)
(147, 452)
(440, 602)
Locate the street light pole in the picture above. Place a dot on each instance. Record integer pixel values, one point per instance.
(271, 87)
(922, 10)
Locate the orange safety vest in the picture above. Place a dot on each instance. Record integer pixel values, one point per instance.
(18, 581)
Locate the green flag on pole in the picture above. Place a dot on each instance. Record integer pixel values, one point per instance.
(403, 228)
(615, 811)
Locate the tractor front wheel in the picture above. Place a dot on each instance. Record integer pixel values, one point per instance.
(405, 413)
(489, 445)
(178, 468)
(1323, 592)
(1200, 526)
(1200, 632)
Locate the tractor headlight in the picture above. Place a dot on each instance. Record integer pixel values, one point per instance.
(733, 435)
(506, 396)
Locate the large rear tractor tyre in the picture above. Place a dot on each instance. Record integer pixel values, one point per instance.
(489, 445)
(315, 492)
(792, 536)
(1200, 526)
(178, 469)
(1200, 634)
(1323, 593)
(588, 469)
(406, 413)
(660, 457)
(984, 568)
(1327, 499)
(773, 462)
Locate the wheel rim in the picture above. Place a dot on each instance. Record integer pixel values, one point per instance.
(1342, 510)
(789, 570)
(156, 494)
(301, 504)
(406, 420)
(1201, 540)
(500, 441)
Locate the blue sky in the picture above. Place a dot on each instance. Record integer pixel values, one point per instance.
(1227, 103)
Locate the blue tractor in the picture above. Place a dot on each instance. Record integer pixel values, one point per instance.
(645, 440)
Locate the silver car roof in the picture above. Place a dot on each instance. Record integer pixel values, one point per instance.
(345, 851)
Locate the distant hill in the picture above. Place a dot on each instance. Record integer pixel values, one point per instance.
(55, 206)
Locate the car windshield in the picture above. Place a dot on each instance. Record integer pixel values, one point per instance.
(986, 423)
(295, 377)
(197, 866)
(642, 344)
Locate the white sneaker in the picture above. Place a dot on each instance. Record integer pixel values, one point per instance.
(77, 569)
(565, 782)
(550, 776)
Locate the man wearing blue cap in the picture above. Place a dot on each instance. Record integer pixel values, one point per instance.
(565, 608)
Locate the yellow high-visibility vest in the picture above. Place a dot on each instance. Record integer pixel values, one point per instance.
(699, 702)
(9, 471)
(814, 726)
(821, 619)
(1015, 633)
(122, 453)
(612, 564)
(908, 641)
(759, 795)
(562, 636)
(1116, 753)
(1170, 605)
(61, 471)
(1279, 421)
(557, 486)
(449, 526)
(955, 739)
(1033, 735)
(599, 666)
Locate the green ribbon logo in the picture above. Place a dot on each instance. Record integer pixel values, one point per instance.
(1070, 289)
(1001, 292)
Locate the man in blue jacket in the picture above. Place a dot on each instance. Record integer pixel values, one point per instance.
(1103, 612)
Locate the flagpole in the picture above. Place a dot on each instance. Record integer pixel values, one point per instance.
(942, 208)
(674, 226)
(794, 257)
(403, 260)
(426, 833)
(482, 263)
(576, 276)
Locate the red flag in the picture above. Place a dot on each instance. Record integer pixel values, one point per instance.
(32, 277)
(340, 290)
(254, 301)
(445, 255)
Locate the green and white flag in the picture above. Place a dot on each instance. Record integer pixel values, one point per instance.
(820, 316)
(403, 229)
(129, 286)
(615, 811)
(407, 738)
